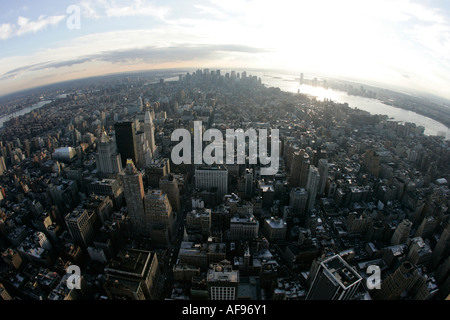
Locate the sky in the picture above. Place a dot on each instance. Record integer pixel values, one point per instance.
(402, 44)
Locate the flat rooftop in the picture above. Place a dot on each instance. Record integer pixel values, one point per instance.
(345, 275)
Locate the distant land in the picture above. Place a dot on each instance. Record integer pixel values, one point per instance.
(430, 106)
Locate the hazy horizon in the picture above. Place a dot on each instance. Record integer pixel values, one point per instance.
(402, 45)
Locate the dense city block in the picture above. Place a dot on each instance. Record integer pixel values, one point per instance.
(92, 207)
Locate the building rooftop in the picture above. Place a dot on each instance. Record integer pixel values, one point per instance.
(276, 223)
(345, 275)
(222, 273)
(130, 262)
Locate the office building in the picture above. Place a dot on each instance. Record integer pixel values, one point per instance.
(249, 184)
(442, 248)
(156, 170)
(244, 226)
(149, 130)
(133, 187)
(125, 133)
(143, 152)
(419, 252)
(323, 172)
(401, 233)
(397, 283)
(312, 186)
(132, 275)
(275, 229)
(108, 161)
(212, 177)
(158, 212)
(80, 227)
(334, 279)
(198, 223)
(169, 185)
(222, 281)
(298, 201)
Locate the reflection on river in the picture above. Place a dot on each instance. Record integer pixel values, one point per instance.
(23, 111)
(290, 84)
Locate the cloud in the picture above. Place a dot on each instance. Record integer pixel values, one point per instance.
(138, 8)
(149, 54)
(6, 31)
(25, 26)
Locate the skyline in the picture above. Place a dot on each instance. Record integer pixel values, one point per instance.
(398, 44)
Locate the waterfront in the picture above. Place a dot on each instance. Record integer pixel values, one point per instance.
(291, 84)
(24, 111)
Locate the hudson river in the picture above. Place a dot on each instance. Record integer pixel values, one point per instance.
(290, 83)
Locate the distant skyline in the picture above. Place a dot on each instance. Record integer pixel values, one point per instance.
(402, 44)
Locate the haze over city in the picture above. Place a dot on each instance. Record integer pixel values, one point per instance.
(240, 151)
(399, 44)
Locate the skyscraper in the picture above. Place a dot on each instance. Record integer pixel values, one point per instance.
(207, 177)
(442, 248)
(149, 130)
(133, 187)
(304, 170)
(143, 152)
(398, 282)
(249, 183)
(169, 185)
(125, 133)
(80, 227)
(298, 200)
(159, 211)
(335, 279)
(323, 172)
(312, 186)
(401, 233)
(107, 159)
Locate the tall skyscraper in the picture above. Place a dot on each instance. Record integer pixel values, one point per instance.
(107, 159)
(323, 172)
(169, 185)
(402, 280)
(295, 168)
(312, 186)
(158, 210)
(442, 248)
(334, 279)
(125, 133)
(299, 169)
(304, 170)
(149, 130)
(80, 227)
(401, 233)
(133, 187)
(249, 183)
(144, 154)
(298, 200)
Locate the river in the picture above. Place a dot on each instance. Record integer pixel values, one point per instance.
(290, 83)
(23, 111)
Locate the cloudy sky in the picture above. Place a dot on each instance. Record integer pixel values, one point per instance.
(402, 43)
